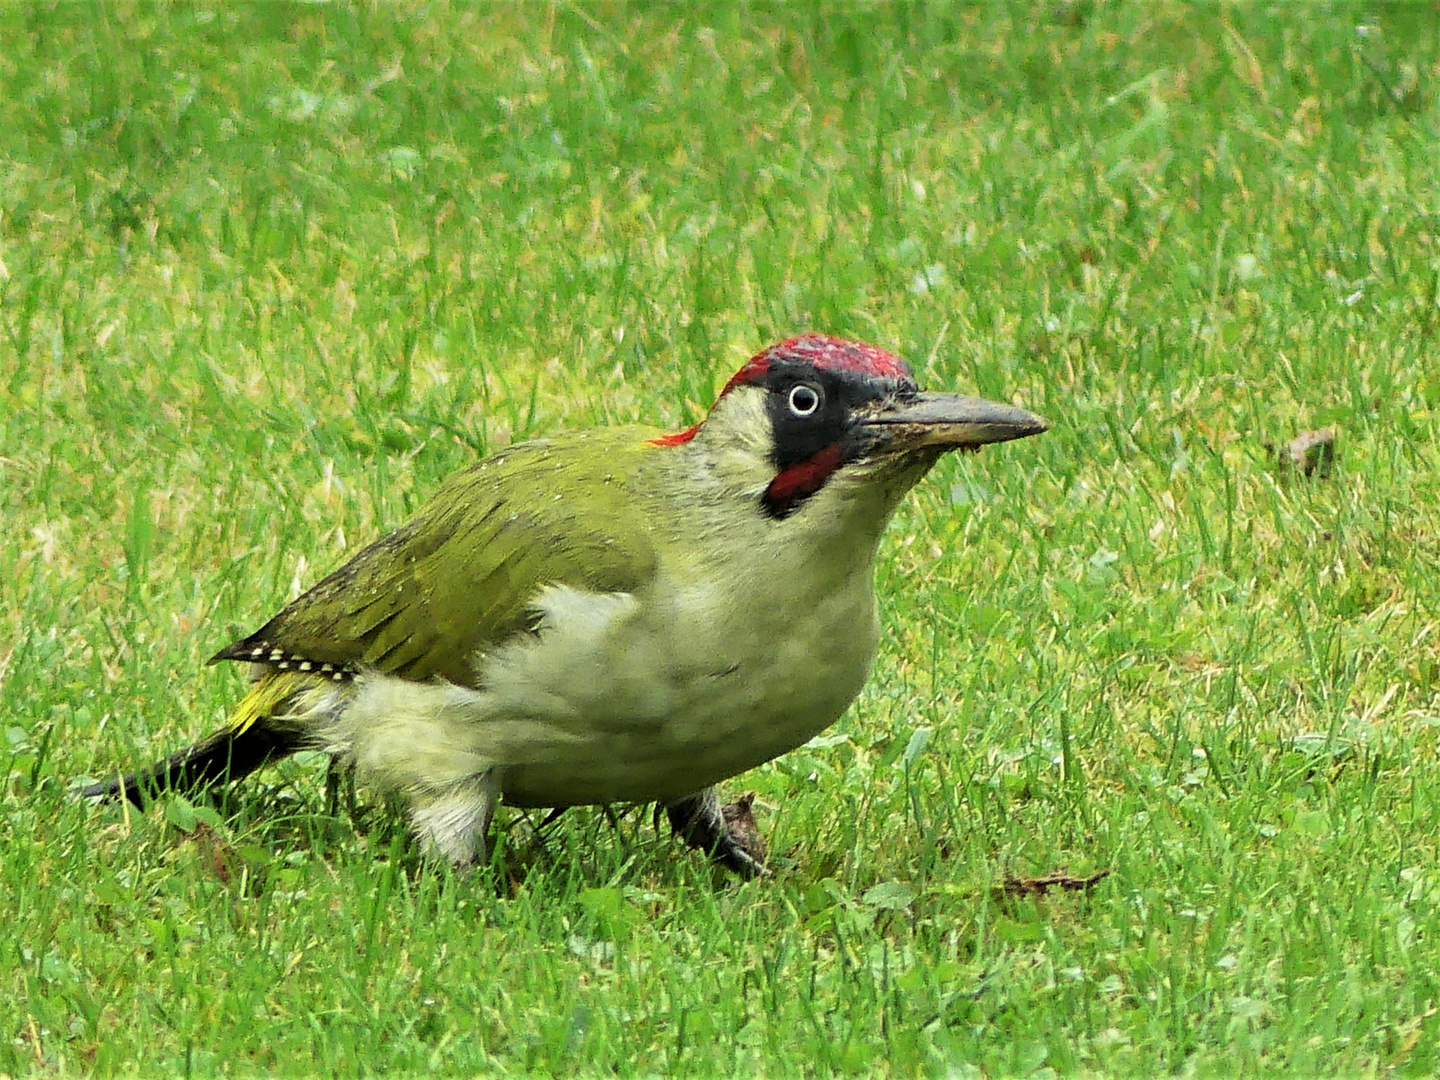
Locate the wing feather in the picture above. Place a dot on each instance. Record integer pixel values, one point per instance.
(426, 599)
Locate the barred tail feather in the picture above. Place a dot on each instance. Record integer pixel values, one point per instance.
(224, 756)
(269, 723)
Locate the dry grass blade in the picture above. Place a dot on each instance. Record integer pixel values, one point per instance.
(1038, 886)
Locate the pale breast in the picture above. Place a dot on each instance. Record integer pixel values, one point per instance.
(701, 683)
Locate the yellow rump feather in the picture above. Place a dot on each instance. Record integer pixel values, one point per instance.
(271, 694)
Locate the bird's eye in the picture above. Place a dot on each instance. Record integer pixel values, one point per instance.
(804, 400)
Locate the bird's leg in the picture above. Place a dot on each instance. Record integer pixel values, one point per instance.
(332, 786)
(452, 821)
(699, 820)
(340, 781)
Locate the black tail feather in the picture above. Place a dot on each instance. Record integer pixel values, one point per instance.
(225, 756)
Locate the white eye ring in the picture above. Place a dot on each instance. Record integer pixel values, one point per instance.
(804, 400)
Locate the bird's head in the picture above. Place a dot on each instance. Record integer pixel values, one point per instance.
(817, 411)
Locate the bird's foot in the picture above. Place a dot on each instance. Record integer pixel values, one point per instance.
(727, 834)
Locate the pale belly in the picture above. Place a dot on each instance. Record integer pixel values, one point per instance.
(616, 700)
(667, 702)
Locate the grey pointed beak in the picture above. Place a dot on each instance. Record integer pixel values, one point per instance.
(950, 422)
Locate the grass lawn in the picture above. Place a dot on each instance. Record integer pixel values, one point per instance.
(268, 272)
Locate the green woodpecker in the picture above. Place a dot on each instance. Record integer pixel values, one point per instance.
(608, 616)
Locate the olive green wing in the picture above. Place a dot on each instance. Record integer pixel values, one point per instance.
(464, 572)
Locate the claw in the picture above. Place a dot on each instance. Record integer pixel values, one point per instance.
(727, 834)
